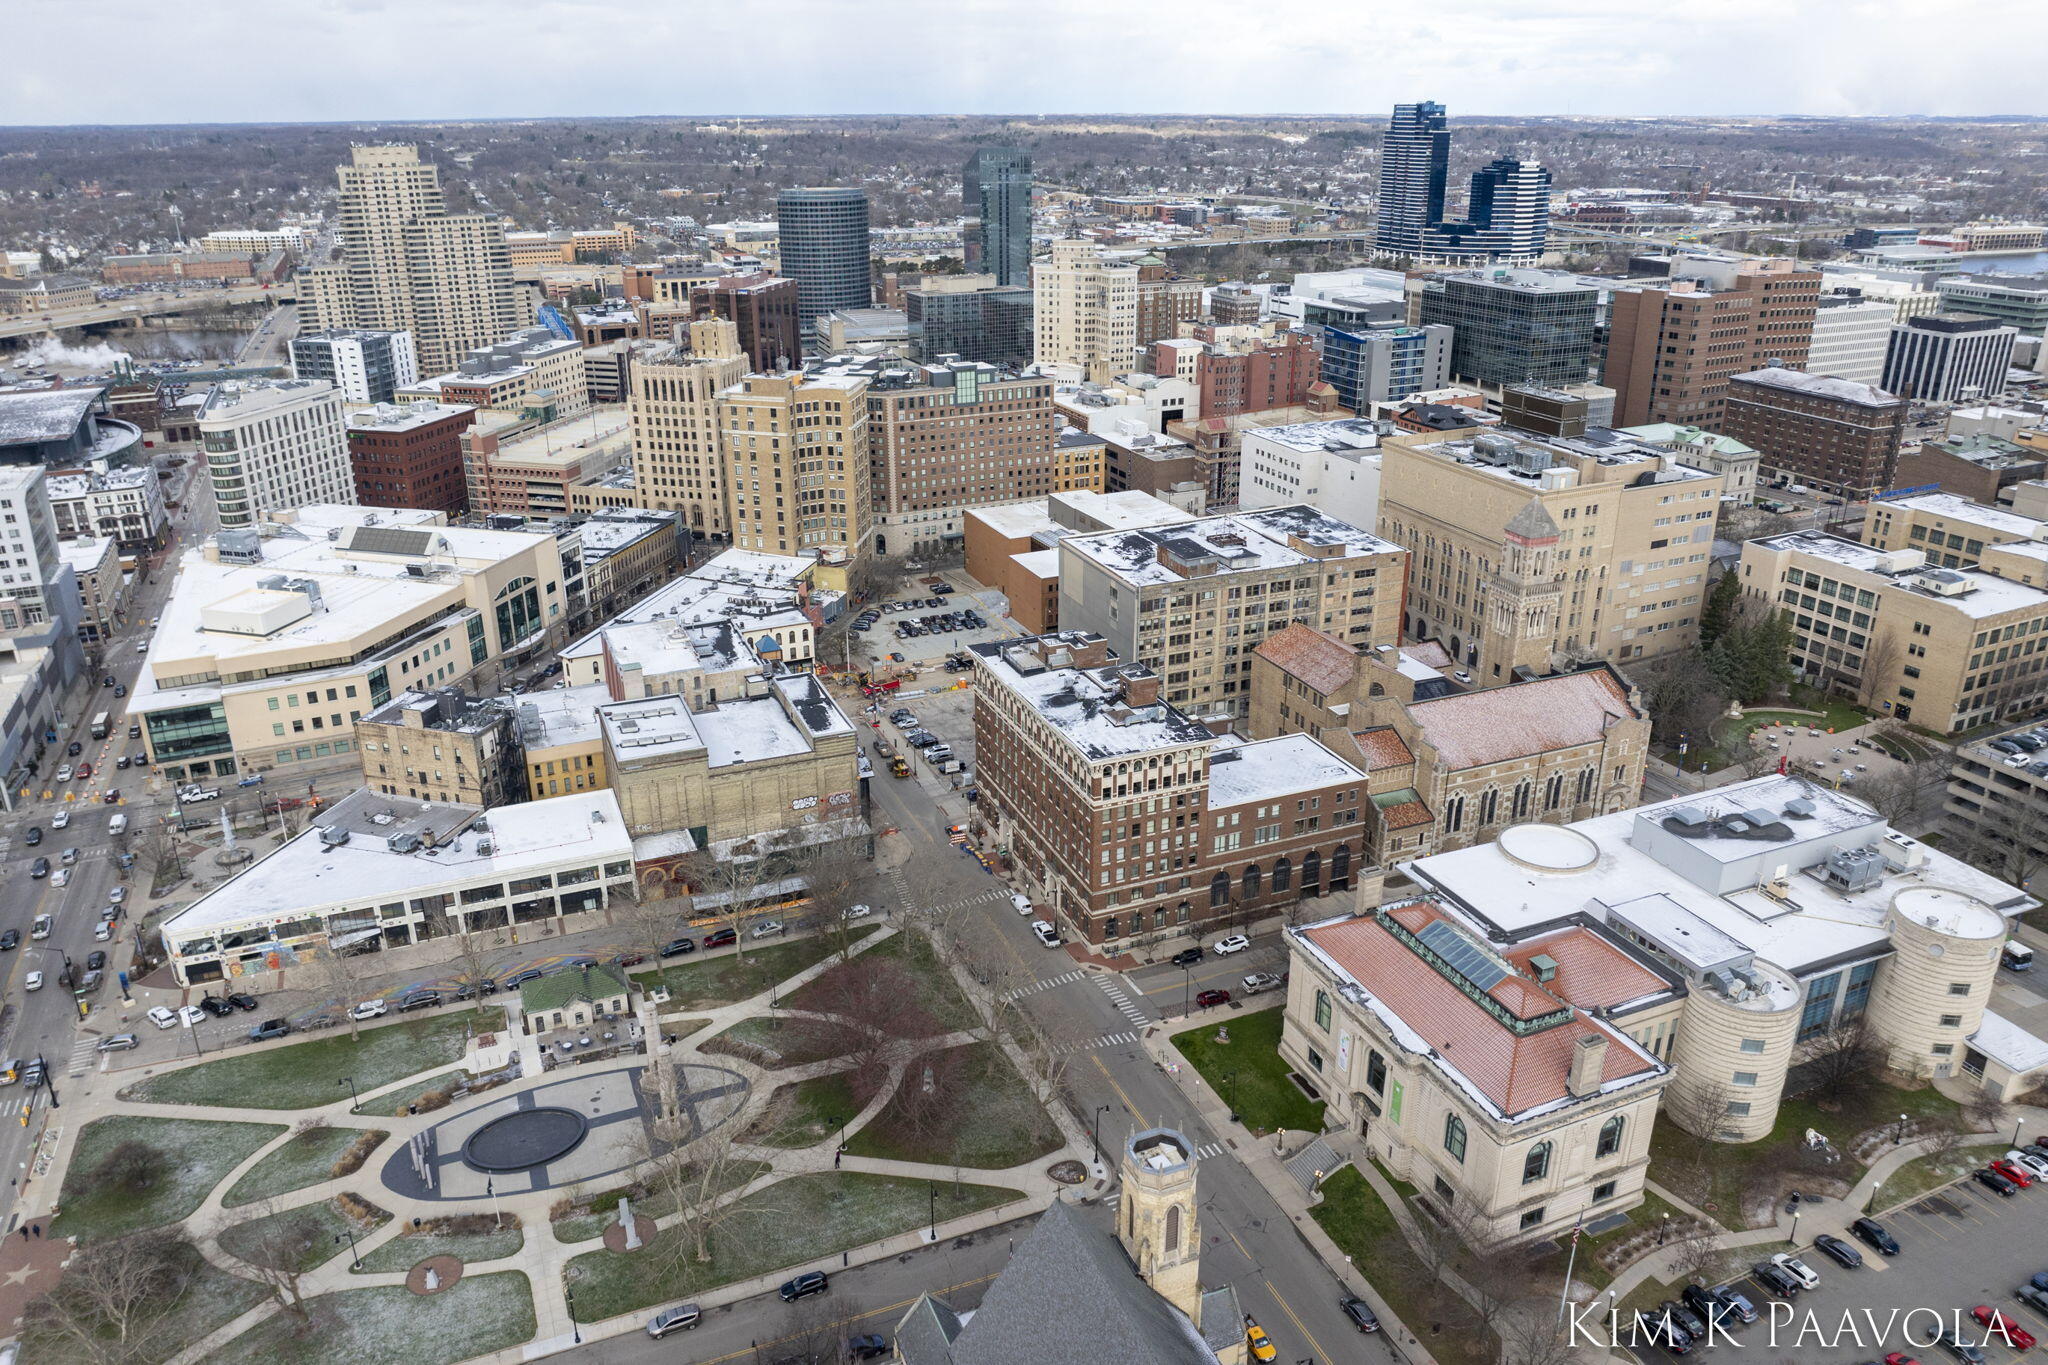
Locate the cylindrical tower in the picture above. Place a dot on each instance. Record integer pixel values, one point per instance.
(1931, 993)
(1734, 1047)
(824, 245)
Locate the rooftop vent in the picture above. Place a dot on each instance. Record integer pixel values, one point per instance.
(1799, 808)
(1853, 869)
(332, 836)
(1545, 967)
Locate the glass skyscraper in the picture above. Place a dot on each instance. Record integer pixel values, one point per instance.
(1515, 326)
(824, 234)
(997, 189)
(1508, 215)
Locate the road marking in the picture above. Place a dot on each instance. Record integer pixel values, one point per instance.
(754, 1352)
(1315, 1347)
(1123, 1002)
(1065, 978)
(1132, 1109)
(1106, 1040)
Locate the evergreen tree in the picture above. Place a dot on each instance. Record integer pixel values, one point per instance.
(1719, 611)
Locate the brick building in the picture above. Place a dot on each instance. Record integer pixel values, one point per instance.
(1673, 346)
(1833, 434)
(763, 307)
(1237, 374)
(410, 455)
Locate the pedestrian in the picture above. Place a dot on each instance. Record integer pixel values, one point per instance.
(24, 1232)
(39, 1229)
(835, 1158)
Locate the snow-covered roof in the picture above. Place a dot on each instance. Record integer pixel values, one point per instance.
(1089, 708)
(2006, 1043)
(1956, 508)
(30, 417)
(1238, 542)
(1263, 769)
(1979, 593)
(1818, 386)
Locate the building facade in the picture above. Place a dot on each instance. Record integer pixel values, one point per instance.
(125, 505)
(1384, 362)
(1850, 334)
(678, 454)
(1514, 326)
(969, 316)
(443, 746)
(1672, 347)
(798, 465)
(368, 367)
(410, 456)
(997, 192)
(1508, 208)
(824, 241)
(762, 308)
(1948, 358)
(271, 446)
(1085, 312)
(1833, 434)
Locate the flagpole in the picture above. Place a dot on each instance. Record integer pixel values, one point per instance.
(1564, 1295)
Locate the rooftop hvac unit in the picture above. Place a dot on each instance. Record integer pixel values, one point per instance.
(1944, 583)
(332, 836)
(1531, 459)
(402, 843)
(483, 848)
(1799, 808)
(1854, 869)
(1493, 448)
(1901, 852)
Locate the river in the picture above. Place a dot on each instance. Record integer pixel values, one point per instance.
(144, 346)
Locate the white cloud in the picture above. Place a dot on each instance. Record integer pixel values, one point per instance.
(292, 60)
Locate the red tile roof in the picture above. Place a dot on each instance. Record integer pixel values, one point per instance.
(1497, 724)
(1430, 653)
(1516, 1072)
(1591, 972)
(1322, 661)
(1381, 748)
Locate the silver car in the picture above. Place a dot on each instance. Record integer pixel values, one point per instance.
(680, 1318)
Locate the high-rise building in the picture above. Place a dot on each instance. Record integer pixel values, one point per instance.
(1165, 301)
(367, 366)
(1514, 326)
(1834, 434)
(1085, 308)
(273, 446)
(763, 307)
(970, 316)
(1850, 333)
(1382, 362)
(678, 463)
(410, 455)
(1945, 357)
(2017, 300)
(1672, 346)
(797, 464)
(824, 236)
(28, 536)
(408, 265)
(1507, 213)
(997, 190)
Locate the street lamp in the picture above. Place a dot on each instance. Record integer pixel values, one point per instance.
(575, 1330)
(354, 1255)
(1794, 1238)
(1095, 1134)
(1899, 1133)
(935, 1210)
(354, 1100)
(1231, 1076)
(1663, 1229)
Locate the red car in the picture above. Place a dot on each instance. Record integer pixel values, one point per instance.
(84, 771)
(1900, 1358)
(1204, 999)
(2012, 1172)
(721, 938)
(2001, 1325)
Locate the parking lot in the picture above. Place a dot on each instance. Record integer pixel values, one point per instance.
(1958, 1247)
(914, 626)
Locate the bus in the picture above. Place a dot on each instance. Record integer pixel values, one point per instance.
(100, 724)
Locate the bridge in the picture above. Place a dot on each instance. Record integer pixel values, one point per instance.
(133, 310)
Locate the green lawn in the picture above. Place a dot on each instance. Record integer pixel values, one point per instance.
(728, 979)
(1589, 1268)
(208, 1300)
(318, 1232)
(197, 1154)
(306, 1158)
(1734, 1169)
(313, 1073)
(1261, 1094)
(794, 1223)
(391, 1325)
(1361, 1224)
(785, 1042)
(600, 1211)
(984, 1116)
(409, 1249)
(936, 993)
(806, 1112)
(395, 1101)
(1924, 1174)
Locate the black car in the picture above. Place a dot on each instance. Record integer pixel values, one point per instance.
(1187, 957)
(518, 979)
(1871, 1233)
(35, 836)
(1695, 1326)
(1962, 1350)
(1659, 1330)
(1775, 1280)
(270, 1028)
(803, 1286)
(75, 750)
(215, 1006)
(1705, 1304)
(419, 1000)
(1840, 1251)
(867, 1346)
(241, 1001)
(39, 868)
(1361, 1314)
(10, 940)
(95, 961)
(1985, 1176)
(1737, 1302)
(678, 946)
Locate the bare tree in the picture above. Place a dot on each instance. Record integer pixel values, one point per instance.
(1696, 1253)
(112, 1299)
(1534, 1336)
(339, 970)
(691, 1175)
(1880, 661)
(281, 1247)
(1985, 1112)
(1840, 1061)
(730, 883)
(870, 1014)
(836, 873)
(1700, 1111)
(652, 922)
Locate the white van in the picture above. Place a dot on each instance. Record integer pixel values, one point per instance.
(117, 823)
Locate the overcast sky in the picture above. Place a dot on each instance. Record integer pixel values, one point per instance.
(121, 61)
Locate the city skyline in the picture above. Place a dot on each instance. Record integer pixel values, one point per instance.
(1004, 63)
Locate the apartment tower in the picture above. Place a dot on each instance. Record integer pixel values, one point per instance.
(1833, 433)
(1086, 311)
(274, 446)
(997, 190)
(678, 464)
(1673, 346)
(796, 464)
(824, 237)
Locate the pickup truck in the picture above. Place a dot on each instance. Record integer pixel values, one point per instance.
(884, 749)
(1259, 982)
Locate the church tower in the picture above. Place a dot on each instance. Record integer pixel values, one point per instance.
(1523, 598)
(1156, 1218)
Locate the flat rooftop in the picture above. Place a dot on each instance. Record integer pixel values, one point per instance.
(1238, 542)
(1262, 769)
(1343, 433)
(1958, 508)
(1979, 593)
(402, 416)
(1086, 706)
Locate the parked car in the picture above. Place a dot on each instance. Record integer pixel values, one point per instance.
(857, 912)
(1694, 1324)
(1360, 1313)
(163, 1018)
(1797, 1269)
(676, 947)
(1047, 935)
(680, 1318)
(215, 1006)
(1899, 1358)
(1187, 957)
(2011, 1171)
(1236, 943)
(192, 795)
(720, 938)
(191, 1016)
(768, 928)
(242, 1001)
(270, 1028)
(1999, 1325)
(1872, 1234)
(117, 1042)
(1211, 999)
(2032, 1297)
(1021, 901)
(867, 1346)
(116, 895)
(366, 1009)
(1775, 1280)
(1947, 1340)
(803, 1286)
(1735, 1302)
(1994, 1182)
(1258, 983)
(1838, 1250)
(419, 1000)
(2028, 1162)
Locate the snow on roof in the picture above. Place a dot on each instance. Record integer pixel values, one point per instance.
(748, 730)
(1343, 433)
(32, 416)
(1235, 543)
(2006, 1043)
(1015, 520)
(562, 715)
(1086, 706)
(1981, 594)
(649, 727)
(1819, 385)
(1266, 768)
(1958, 508)
(1498, 724)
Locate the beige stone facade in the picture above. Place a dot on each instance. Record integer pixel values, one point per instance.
(1533, 551)
(678, 459)
(1085, 310)
(444, 747)
(797, 465)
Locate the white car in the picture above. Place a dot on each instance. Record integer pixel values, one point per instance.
(1797, 1269)
(767, 928)
(191, 1016)
(41, 928)
(367, 1009)
(163, 1018)
(61, 877)
(2028, 1162)
(117, 894)
(1021, 901)
(61, 820)
(1224, 947)
(32, 982)
(104, 931)
(857, 912)
(1047, 935)
(64, 773)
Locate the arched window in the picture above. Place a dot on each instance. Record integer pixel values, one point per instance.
(1454, 1136)
(1553, 792)
(1585, 787)
(1489, 806)
(1219, 890)
(1536, 1165)
(1172, 1229)
(1610, 1137)
(1521, 806)
(1251, 882)
(1454, 815)
(1312, 872)
(1340, 868)
(1283, 875)
(1323, 1011)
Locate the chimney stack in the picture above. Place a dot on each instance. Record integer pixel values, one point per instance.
(1589, 1061)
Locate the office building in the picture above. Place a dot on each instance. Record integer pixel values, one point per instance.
(997, 192)
(1014, 548)
(1508, 208)
(824, 239)
(1948, 358)
(1194, 600)
(1382, 362)
(276, 640)
(1514, 326)
(1166, 301)
(409, 265)
(368, 367)
(65, 428)
(30, 567)
(1332, 465)
(763, 308)
(2018, 301)
(678, 461)
(797, 466)
(410, 455)
(272, 446)
(95, 565)
(739, 610)
(1237, 305)
(1085, 310)
(123, 505)
(1237, 370)
(1735, 462)
(1535, 552)
(444, 746)
(1850, 333)
(1828, 433)
(531, 373)
(1672, 346)
(1956, 532)
(971, 317)
(1130, 820)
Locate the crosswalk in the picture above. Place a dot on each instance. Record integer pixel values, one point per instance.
(1122, 1002)
(1063, 979)
(1095, 1044)
(15, 1105)
(84, 1052)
